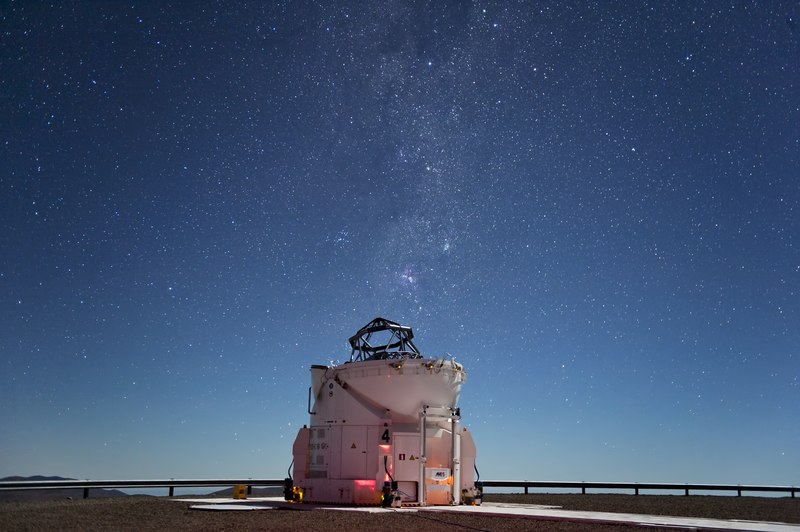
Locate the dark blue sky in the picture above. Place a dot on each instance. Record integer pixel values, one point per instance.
(594, 207)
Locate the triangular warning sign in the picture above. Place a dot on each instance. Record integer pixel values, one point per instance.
(412, 457)
(353, 446)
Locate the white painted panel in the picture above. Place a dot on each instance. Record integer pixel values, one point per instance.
(406, 456)
(354, 452)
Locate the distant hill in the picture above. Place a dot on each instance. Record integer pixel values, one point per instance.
(54, 494)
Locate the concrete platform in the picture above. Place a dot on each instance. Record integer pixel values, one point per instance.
(527, 511)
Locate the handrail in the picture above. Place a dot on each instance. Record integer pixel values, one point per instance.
(172, 483)
(86, 485)
(636, 486)
(309, 402)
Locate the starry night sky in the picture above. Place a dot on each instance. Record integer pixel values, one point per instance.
(595, 207)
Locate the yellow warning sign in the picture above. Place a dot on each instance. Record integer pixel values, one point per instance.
(353, 446)
(412, 457)
(240, 491)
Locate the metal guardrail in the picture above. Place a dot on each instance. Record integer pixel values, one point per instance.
(637, 486)
(171, 484)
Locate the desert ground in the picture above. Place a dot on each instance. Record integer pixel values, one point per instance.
(162, 513)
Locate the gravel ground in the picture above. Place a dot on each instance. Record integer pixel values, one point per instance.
(156, 513)
(780, 509)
